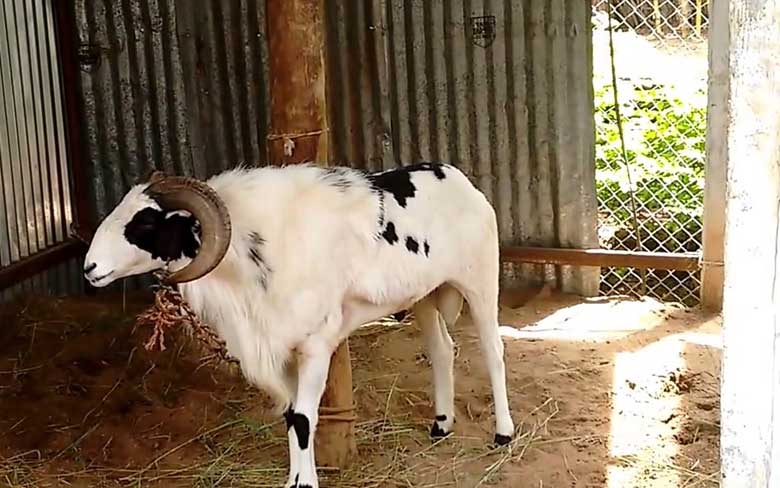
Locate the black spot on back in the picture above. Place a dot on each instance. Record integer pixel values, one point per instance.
(441, 418)
(256, 239)
(398, 181)
(338, 177)
(381, 209)
(426, 248)
(389, 233)
(412, 245)
(168, 238)
(255, 244)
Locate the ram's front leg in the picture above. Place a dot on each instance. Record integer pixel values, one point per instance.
(294, 450)
(313, 364)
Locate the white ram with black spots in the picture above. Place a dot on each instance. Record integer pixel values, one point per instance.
(286, 262)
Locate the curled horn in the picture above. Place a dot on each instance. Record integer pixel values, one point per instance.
(196, 197)
(150, 176)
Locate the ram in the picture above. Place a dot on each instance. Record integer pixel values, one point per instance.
(286, 262)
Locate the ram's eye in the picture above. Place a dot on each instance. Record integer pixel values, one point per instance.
(145, 220)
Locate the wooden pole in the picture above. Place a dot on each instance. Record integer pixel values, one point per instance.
(750, 383)
(601, 258)
(715, 170)
(296, 45)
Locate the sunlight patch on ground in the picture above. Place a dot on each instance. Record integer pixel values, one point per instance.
(596, 321)
(643, 405)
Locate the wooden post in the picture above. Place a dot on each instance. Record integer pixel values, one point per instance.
(296, 45)
(715, 171)
(750, 384)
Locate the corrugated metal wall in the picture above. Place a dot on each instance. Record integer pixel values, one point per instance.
(502, 89)
(170, 84)
(35, 200)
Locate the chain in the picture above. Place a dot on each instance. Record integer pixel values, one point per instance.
(171, 310)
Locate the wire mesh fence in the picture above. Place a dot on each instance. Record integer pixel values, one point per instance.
(659, 55)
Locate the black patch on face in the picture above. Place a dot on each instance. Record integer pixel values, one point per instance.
(301, 425)
(255, 244)
(167, 238)
(441, 418)
(412, 245)
(304, 486)
(389, 234)
(398, 181)
(426, 248)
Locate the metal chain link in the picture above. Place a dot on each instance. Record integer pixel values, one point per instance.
(668, 214)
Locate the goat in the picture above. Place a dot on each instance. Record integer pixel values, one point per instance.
(286, 262)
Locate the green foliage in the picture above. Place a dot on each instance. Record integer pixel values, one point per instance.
(665, 149)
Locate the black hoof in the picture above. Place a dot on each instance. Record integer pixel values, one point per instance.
(502, 440)
(400, 316)
(437, 432)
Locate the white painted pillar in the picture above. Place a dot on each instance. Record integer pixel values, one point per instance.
(750, 395)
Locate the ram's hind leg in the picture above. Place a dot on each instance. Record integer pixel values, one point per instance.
(441, 354)
(483, 305)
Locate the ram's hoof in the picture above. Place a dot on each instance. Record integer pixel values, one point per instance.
(437, 432)
(502, 440)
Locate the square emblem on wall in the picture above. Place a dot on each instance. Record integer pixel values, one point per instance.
(482, 30)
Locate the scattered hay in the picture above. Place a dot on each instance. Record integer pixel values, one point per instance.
(238, 460)
(122, 416)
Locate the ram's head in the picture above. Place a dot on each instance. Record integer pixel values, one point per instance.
(172, 221)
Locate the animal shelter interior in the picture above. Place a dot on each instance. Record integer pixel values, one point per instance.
(624, 156)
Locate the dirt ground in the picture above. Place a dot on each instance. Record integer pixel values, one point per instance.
(605, 393)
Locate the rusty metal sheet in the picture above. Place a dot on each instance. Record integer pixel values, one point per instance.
(168, 85)
(501, 89)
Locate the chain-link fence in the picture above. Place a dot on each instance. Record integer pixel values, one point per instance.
(660, 61)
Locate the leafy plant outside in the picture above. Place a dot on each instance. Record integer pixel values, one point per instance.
(665, 144)
(665, 148)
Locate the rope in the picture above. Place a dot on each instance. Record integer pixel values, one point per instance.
(619, 120)
(331, 414)
(289, 139)
(295, 135)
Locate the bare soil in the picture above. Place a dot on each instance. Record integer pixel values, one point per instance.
(605, 392)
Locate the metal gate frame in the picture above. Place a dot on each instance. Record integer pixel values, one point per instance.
(74, 246)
